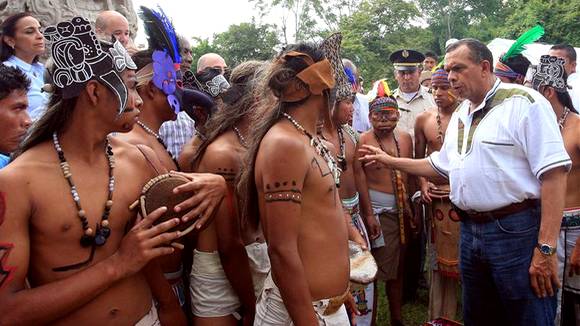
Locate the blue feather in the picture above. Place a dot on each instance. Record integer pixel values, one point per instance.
(171, 33)
(350, 76)
(160, 32)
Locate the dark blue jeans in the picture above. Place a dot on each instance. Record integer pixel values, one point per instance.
(495, 259)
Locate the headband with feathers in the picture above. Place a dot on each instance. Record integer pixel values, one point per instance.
(530, 36)
(160, 33)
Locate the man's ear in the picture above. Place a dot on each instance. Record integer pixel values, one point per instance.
(486, 66)
(151, 90)
(551, 93)
(94, 91)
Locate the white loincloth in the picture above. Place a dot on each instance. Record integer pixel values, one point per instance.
(211, 293)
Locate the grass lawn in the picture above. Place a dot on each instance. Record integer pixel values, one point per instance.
(414, 313)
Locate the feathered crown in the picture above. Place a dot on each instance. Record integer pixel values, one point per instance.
(380, 96)
(166, 58)
(160, 33)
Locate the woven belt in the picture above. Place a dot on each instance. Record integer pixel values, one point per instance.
(496, 214)
(571, 218)
(351, 210)
(335, 303)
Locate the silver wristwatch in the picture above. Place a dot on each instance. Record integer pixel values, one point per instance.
(546, 249)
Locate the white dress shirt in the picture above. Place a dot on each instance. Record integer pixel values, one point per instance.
(513, 145)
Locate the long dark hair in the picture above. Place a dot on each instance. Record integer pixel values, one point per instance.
(277, 78)
(238, 101)
(8, 28)
(566, 100)
(55, 119)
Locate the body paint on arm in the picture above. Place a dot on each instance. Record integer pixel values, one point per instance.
(6, 272)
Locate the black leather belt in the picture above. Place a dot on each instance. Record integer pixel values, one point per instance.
(496, 214)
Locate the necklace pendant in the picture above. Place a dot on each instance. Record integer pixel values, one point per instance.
(341, 162)
(102, 235)
(87, 241)
(336, 174)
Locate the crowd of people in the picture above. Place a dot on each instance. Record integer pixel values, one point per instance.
(463, 179)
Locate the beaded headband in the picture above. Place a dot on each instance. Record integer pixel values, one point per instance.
(79, 57)
(383, 104)
(503, 70)
(440, 77)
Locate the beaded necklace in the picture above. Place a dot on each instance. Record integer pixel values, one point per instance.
(320, 149)
(90, 237)
(398, 187)
(240, 137)
(159, 140)
(341, 157)
(562, 119)
(439, 128)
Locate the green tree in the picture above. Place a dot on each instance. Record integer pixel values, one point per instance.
(297, 21)
(246, 41)
(239, 43)
(461, 18)
(561, 19)
(200, 47)
(377, 29)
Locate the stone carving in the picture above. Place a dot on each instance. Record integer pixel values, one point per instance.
(51, 12)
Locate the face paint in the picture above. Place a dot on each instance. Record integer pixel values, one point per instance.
(451, 96)
(6, 272)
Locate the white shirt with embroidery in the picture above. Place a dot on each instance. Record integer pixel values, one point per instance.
(513, 145)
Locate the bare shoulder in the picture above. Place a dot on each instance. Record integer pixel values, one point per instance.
(30, 163)
(283, 151)
(130, 154)
(18, 178)
(404, 136)
(187, 154)
(425, 115)
(220, 155)
(366, 137)
(575, 122)
(282, 141)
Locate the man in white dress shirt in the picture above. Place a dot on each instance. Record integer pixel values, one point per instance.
(503, 154)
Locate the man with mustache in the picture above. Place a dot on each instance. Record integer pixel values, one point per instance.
(503, 156)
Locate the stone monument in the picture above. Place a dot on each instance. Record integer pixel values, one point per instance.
(50, 12)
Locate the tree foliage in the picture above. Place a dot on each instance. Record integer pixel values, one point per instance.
(372, 30)
(240, 43)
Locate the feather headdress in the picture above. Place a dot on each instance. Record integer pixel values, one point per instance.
(160, 33)
(530, 36)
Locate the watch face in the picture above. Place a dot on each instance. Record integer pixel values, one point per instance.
(546, 249)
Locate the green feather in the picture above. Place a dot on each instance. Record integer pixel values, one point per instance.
(530, 36)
